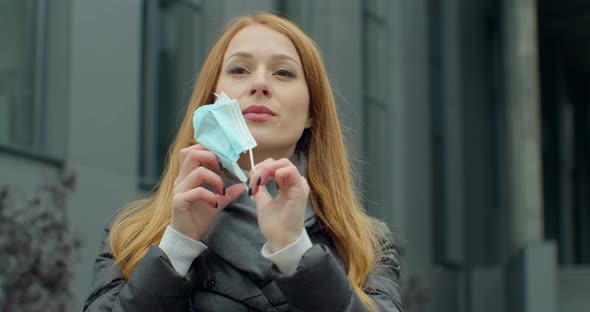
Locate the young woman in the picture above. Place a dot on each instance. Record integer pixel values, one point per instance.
(295, 239)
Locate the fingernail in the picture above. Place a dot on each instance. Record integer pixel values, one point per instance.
(216, 204)
(223, 191)
(259, 180)
(249, 191)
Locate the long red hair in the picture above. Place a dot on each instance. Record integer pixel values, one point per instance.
(335, 201)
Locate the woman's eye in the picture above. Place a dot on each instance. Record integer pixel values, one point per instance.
(285, 73)
(237, 70)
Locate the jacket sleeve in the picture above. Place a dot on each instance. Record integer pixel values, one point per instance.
(153, 286)
(321, 284)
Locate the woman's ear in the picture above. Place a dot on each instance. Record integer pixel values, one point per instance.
(308, 122)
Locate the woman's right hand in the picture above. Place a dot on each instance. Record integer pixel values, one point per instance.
(194, 208)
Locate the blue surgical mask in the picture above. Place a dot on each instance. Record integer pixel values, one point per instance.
(221, 128)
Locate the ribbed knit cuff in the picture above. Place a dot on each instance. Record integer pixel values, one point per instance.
(180, 249)
(288, 258)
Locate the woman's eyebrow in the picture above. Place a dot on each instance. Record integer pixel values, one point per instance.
(282, 56)
(240, 54)
(278, 56)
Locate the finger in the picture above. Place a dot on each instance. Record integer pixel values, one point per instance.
(288, 177)
(186, 150)
(262, 196)
(262, 170)
(231, 194)
(198, 194)
(252, 181)
(194, 159)
(267, 170)
(261, 164)
(198, 177)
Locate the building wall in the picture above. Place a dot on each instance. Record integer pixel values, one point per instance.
(103, 136)
(94, 84)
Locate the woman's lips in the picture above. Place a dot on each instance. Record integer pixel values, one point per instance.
(258, 113)
(258, 117)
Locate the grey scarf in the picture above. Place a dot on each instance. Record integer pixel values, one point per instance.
(235, 235)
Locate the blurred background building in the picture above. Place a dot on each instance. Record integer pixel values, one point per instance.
(467, 119)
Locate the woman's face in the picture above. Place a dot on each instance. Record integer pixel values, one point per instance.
(262, 70)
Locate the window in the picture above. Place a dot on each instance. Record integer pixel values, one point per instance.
(173, 49)
(21, 75)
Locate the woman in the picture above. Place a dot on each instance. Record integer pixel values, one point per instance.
(296, 239)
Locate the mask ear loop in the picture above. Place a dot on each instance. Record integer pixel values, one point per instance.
(251, 160)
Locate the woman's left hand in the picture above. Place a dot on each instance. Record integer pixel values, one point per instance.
(281, 218)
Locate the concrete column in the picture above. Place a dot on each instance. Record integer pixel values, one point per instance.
(523, 121)
(531, 280)
(410, 135)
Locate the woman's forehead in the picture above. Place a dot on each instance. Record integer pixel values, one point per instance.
(259, 39)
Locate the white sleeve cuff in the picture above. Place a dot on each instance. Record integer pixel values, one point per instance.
(288, 258)
(180, 249)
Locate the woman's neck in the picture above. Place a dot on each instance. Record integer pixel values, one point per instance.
(261, 155)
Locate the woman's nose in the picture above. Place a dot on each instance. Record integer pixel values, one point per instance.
(260, 85)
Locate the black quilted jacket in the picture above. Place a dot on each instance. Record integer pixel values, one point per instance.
(212, 284)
